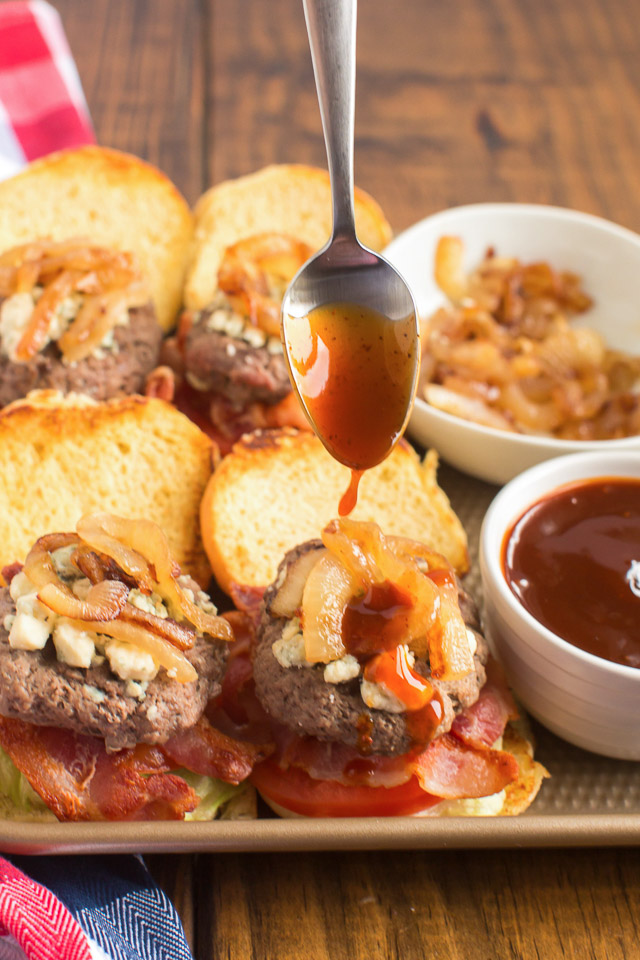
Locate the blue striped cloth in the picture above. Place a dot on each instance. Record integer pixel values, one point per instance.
(116, 901)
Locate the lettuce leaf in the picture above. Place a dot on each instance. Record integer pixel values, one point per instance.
(19, 799)
(218, 799)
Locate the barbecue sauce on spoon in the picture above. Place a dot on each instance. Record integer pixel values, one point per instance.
(355, 373)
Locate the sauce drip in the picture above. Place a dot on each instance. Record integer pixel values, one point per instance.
(395, 672)
(355, 372)
(573, 561)
(364, 727)
(373, 628)
(376, 621)
(349, 498)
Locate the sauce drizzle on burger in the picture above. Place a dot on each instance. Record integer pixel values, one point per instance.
(383, 698)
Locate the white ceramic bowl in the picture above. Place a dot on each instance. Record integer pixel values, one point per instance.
(605, 256)
(588, 701)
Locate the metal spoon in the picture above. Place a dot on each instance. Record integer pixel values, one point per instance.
(354, 364)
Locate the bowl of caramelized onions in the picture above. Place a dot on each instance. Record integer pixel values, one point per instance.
(530, 330)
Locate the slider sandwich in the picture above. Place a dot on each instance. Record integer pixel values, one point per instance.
(226, 366)
(379, 689)
(93, 247)
(109, 656)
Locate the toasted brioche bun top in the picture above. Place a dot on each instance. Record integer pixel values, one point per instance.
(116, 201)
(62, 457)
(285, 198)
(278, 488)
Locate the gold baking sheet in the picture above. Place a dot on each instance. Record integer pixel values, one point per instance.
(589, 800)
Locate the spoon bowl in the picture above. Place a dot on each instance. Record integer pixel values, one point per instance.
(349, 321)
(346, 271)
(351, 342)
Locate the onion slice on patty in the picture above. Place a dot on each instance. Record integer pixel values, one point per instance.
(96, 317)
(142, 550)
(178, 634)
(163, 652)
(100, 531)
(38, 565)
(433, 626)
(104, 600)
(255, 272)
(109, 282)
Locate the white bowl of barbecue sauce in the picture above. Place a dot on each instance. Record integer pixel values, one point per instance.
(560, 563)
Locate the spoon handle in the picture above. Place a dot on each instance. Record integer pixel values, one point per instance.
(331, 26)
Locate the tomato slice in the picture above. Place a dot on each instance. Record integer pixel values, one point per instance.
(297, 792)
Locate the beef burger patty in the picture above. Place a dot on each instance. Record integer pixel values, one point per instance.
(38, 688)
(240, 370)
(122, 370)
(301, 699)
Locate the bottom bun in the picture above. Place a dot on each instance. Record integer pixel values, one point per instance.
(481, 807)
(290, 815)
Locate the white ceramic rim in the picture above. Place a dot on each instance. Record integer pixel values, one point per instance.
(494, 529)
(530, 439)
(532, 210)
(519, 209)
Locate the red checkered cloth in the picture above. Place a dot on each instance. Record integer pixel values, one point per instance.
(68, 908)
(42, 106)
(34, 923)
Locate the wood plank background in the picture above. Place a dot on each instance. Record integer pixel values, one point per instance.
(457, 102)
(460, 102)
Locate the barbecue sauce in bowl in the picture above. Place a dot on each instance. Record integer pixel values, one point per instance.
(356, 375)
(573, 562)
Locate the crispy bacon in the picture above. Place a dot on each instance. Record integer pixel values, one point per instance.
(224, 423)
(483, 723)
(9, 572)
(248, 600)
(237, 711)
(205, 750)
(161, 383)
(79, 780)
(450, 767)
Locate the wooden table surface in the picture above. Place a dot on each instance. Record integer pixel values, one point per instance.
(457, 102)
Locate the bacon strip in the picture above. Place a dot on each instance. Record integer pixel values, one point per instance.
(9, 572)
(205, 750)
(452, 770)
(248, 600)
(79, 780)
(455, 765)
(481, 724)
